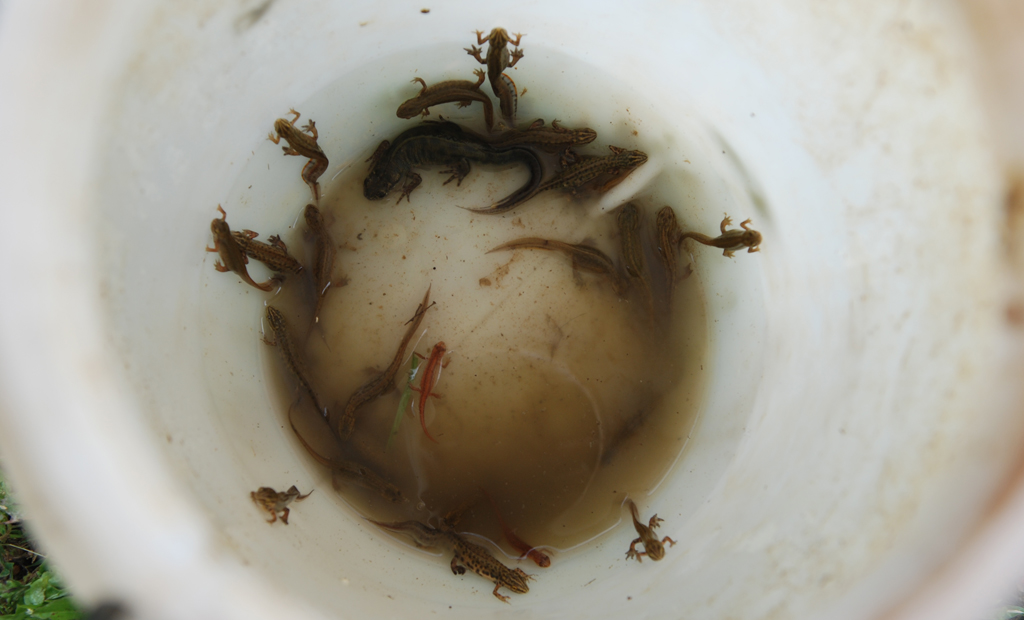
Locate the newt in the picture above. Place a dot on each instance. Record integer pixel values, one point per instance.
(729, 241)
(274, 254)
(584, 257)
(302, 143)
(384, 381)
(323, 257)
(430, 377)
(498, 59)
(354, 472)
(669, 236)
(230, 252)
(653, 548)
(588, 168)
(273, 502)
(463, 92)
(629, 220)
(444, 144)
(524, 548)
(508, 97)
(464, 555)
(552, 139)
(290, 354)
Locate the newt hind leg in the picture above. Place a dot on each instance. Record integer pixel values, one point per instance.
(456, 569)
(414, 182)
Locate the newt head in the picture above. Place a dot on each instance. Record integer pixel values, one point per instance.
(220, 229)
(381, 180)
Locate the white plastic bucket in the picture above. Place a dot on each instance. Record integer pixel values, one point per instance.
(861, 416)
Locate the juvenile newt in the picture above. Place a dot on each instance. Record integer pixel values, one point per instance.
(464, 92)
(669, 236)
(430, 377)
(384, 381)
(292, 359)
(524, 548)
(586, 169)
(653, 548)
(432, 144)
(354, 472)
(323, 257)
(230, 252)
(274, 254)
(464, 555)
(302, 143)
(273, 502)
(730, 240)
(629, 220)
(553, 138)
(498, 59)
(584, 257)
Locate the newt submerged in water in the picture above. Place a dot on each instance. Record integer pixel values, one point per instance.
(584, 257)
(384, 381)
(430, 377)
(290, 354)
(230, 252)
(653, 548)
(729, 241)
(668, 237)
(498, 59)
(444, 144)
(629, 220)
(273, 502)
(463, 92)
(274, 254)
(352, 471)
(579, 171)
(323, 257)
(465, 555)
(552, 139)
(525, 549)
(302, 143)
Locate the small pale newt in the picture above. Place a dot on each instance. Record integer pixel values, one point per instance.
(653, 548)
(730, 241)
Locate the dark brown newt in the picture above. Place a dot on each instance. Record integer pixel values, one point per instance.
(463, 92)
(432, 144)
(553, 139)
(587, 169)
(227, 247)
(290, 354)
(653, 548)
(464, 555)
(303, 143)
(323, 257)
(629, 220)
(584, 257)
(525, 549)
(273, 502)
(730, 240)
(354, 472)
(498, 59)
(274, 254)
(384, 381)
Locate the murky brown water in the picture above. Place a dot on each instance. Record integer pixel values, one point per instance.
(558, 397)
